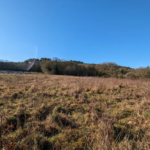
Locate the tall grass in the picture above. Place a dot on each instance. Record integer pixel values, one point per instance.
(73, 113)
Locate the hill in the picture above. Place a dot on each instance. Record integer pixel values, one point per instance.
(56, 66)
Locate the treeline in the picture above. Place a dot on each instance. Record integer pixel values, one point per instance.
(57, 66)
(5, 65)
(21, 66)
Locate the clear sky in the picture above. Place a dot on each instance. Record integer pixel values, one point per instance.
(92, 31)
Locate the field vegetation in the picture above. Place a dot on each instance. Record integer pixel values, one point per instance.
(50, 112)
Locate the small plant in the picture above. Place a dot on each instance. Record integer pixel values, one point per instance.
(131, 75)
(120, 76)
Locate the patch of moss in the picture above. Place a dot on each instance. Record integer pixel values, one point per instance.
(87, 95)
(124, 114)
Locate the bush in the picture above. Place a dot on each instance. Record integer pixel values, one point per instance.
(120, 76)
(131, 75)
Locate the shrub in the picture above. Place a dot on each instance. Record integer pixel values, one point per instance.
(120, 76)
(131, 75)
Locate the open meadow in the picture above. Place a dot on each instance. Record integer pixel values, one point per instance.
(50, 112)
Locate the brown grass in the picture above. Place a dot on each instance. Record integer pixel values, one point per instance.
(74, 113)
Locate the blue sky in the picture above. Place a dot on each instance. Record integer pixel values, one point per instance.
(92, 31)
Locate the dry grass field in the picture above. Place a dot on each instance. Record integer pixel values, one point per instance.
(45, 112)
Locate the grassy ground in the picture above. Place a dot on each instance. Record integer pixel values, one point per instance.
(74, 113)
